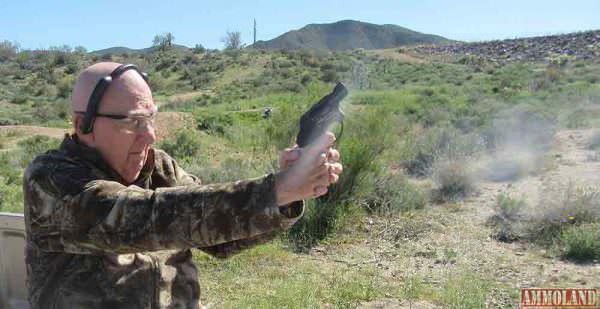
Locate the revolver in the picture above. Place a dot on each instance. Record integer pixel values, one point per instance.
(317, 120)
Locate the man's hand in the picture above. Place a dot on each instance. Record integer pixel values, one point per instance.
(307, 172)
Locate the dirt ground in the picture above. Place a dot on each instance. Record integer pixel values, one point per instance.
(451, 239)
(166, 124)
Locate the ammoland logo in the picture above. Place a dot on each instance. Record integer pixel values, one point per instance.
(560, 298)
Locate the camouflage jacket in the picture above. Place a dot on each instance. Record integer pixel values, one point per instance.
(93, 242)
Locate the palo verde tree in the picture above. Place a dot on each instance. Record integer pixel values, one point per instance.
(163, 41)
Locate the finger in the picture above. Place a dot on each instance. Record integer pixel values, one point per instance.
(322, 181)
(336, 168)
(333, 155)
(329, 139)
(323, 143)
(292, 154)
(318, 165)
(333, 178)
(320, 171)
(288, 156)
(320, 191)
(322, 159)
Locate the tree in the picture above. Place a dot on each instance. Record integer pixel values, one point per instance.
(163, 41)
(199, 49)
(169, 37)
(232, 40)
(159, 42)
(80, 50)
(8, 50)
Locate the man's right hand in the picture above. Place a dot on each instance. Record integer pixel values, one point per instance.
(309, 176)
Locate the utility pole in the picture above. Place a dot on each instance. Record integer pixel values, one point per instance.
(254, 31)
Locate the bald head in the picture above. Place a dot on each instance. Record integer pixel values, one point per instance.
(129, 84)
(123, 147)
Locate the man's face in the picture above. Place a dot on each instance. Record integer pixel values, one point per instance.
(125, 144)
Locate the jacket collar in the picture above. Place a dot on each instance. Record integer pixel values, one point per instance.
(77, 149)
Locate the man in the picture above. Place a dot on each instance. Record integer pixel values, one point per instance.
(111, 221)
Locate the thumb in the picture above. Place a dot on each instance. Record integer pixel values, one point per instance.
(291, 154)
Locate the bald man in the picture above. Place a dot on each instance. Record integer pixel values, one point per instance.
(111, 221)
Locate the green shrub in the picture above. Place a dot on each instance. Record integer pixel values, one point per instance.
(281, 129)
(36, 145)
(11, 197)
(186, 144)
(508, 218)
(323, 216)
(562, 208)
(420, 150)
(509, 208)
(581, 242)
(20, 99)
(214, 122)
(329, 76)
(230, 169)
(390, 193)
(579, 118)
(466, 291)
(10, 165)
(65, 86)
(319, 220)
(454, 179)
(366, 136)
(565, 219)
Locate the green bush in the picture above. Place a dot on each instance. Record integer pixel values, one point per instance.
(578, 118)
(562, 208)
(581, 242)
(10, 167)
(36, 145)
(467, 291)
(420, 150)
(11, 197)
(282, 127)
(509, 208)
(329, 76)
(454, 179)
(319, 220)
(186, 144)
(214, 122)
(508, 218)
(366, 136)
(565, 219)
(390, 193)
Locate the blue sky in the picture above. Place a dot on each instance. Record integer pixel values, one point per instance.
(102, 24)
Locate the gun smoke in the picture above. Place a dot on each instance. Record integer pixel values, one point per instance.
(516, 143)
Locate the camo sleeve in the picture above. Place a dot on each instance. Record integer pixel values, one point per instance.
(169, 172)
(70, 211)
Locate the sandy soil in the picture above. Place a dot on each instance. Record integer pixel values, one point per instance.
(166, 124)
(452, 239)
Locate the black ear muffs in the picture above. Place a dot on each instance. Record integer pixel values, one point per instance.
(94, 102)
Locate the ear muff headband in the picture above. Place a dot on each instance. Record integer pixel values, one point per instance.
(101, 87)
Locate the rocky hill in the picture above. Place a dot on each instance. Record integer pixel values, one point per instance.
(582, 45)
(349, 34)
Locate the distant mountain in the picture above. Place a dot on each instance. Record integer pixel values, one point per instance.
(126, 50)
(348, 34)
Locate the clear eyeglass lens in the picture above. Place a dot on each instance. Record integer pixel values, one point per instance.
(138, 123)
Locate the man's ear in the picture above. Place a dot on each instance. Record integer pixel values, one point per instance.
(77, 127)
(77, 123)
